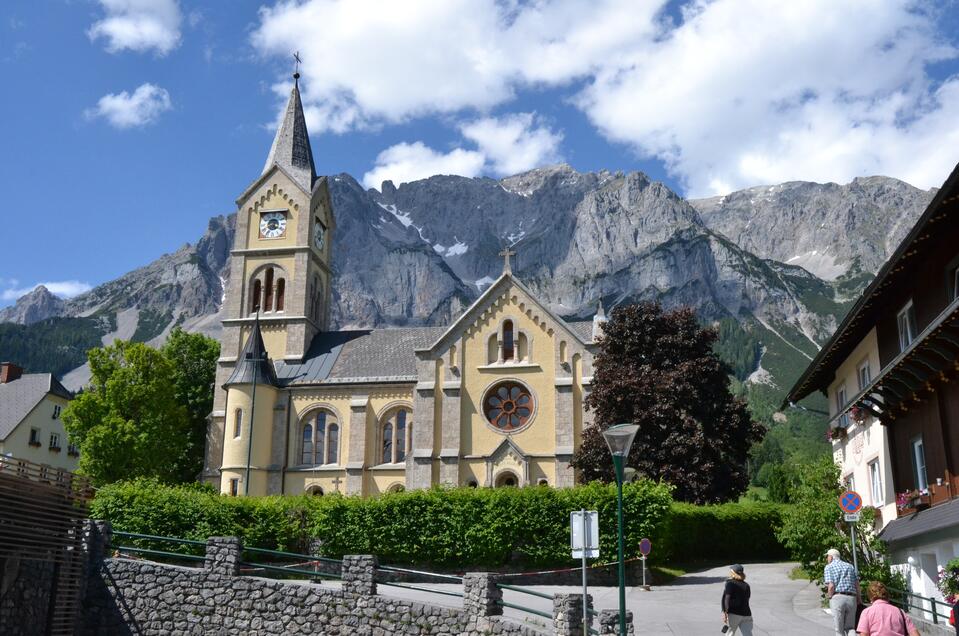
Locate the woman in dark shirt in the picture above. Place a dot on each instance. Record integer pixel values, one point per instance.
(736, 611)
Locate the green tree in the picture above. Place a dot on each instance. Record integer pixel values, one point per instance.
(659, 370)
(143, 413)
(193, 358)
(814, 523)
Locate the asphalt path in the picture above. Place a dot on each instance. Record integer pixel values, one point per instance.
(688, 606)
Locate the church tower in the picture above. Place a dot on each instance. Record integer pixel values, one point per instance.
(280, 278)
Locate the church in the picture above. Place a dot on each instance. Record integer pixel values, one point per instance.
(494, 399)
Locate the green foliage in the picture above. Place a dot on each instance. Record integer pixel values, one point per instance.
(55, 345)
(814, 523)
(738, 348)
(728, 532)
(446, 528)
(141, 414)
(150, 324)
(948, 582)
(193, 359)
(658, 369)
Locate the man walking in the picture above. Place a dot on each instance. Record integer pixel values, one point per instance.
(842, 589)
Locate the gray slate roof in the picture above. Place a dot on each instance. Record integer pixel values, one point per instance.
(371, 355)
(253, 363)
(291, 147)
(18, 398)
(932, 519)
(365, 355)
(583, 329)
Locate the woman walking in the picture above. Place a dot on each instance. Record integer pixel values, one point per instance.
(882, 618)
(736, 613)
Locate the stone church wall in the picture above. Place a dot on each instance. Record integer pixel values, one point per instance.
(126, 596)
(25, 587)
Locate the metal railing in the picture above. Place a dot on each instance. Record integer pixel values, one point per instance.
(190, 546)
(523, 608)
(900, 598)
(409, 586)
(294, 568)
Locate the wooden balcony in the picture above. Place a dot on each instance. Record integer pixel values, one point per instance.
(942, 490)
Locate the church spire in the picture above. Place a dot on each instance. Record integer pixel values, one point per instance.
(291, 146)
(253, 366)
(599, 320)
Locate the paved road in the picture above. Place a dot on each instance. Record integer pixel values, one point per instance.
(689, 606)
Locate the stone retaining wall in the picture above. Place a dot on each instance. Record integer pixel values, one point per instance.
(126, 596)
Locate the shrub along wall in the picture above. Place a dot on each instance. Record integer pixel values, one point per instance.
(451, 528)
(721, 533)
(443, 528)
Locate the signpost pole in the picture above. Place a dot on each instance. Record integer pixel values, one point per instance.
(586, 544)
(852, 534)
(644, 571)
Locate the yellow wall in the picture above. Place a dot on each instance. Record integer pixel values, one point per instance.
(235, 448)
(477, 436)
(277, 194)
(17, 442)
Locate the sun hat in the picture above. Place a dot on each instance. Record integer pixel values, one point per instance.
(833, 552)
(738, 569)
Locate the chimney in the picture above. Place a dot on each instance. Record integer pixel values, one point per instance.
(9, 372)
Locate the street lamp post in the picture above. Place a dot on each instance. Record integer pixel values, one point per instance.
(619, 438)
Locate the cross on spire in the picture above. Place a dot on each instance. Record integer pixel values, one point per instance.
(296, 65)
(506, 253)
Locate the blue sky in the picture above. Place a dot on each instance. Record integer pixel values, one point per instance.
(126, 124)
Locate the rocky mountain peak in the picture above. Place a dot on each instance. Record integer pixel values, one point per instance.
(39, 304)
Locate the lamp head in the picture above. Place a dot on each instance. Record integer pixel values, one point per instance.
(619, 438)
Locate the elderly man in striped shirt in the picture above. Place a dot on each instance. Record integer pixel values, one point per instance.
(842, 588)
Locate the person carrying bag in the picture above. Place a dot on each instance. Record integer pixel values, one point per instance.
(882, 618)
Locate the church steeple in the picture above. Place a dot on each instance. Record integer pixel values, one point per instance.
(291, 146)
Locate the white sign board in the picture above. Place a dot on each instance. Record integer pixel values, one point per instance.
(584, 536)
(852, 517)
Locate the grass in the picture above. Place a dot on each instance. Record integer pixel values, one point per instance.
(799, 573)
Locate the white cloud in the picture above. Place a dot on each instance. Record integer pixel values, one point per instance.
(139, 25)
(506, 146)
(125, 110)
(733, 93)
(63, 288)
(404, 162)
(513, 143)
(368, 62)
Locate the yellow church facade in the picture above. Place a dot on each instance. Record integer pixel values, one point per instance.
(494, 399)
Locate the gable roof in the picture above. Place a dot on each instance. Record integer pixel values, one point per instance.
(19, 397)
(361, 355)
(476, 309)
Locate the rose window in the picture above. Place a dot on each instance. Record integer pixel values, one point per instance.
(508, 406)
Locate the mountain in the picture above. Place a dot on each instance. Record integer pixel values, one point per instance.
(33, 307)
(418, 254)
(831, 230)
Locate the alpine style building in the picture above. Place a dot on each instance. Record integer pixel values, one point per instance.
(494, 399)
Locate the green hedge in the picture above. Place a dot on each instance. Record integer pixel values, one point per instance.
(445, 528)
(452, 528)
(721, 533)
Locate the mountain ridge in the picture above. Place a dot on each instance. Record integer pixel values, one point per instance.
(418, 254)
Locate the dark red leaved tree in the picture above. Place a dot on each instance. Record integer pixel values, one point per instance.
(657, 369)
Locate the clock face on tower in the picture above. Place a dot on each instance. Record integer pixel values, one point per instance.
(272, 224)
(319, 235)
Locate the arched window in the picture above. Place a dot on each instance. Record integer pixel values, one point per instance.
(332, 444)
(280, 291)
(508, 346)
(268, 290)
(395, 488)
(319, 439)
(307, 445)
(316, 491)
(237, 423)
(388, 443)
(397, 436)
(562, 351)
(400, 441)
(255, 297)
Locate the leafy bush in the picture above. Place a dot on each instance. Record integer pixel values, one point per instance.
(728, 532)
(447, 528)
